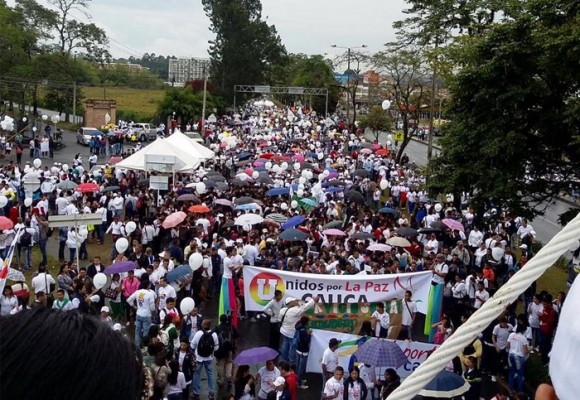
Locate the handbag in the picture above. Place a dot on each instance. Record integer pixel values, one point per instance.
(111, 294)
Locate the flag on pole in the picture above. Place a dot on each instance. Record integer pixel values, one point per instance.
(8, 260)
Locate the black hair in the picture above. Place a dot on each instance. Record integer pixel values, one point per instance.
(284, 366)
(84, 347)
(354, 368)
(174, 367)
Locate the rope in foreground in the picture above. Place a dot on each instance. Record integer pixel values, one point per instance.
(490, 310)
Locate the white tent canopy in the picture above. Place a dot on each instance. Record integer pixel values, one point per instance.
(180, 140)
(161, 147)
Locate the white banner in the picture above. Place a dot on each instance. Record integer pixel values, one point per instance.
(260, 284)
(416, 352)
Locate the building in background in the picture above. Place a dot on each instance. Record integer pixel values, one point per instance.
(182, 70)
(128, 65)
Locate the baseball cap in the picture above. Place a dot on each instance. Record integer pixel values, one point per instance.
(290, 300)
(105, 309)
(524, 246)
(117, 327)
(334, 342)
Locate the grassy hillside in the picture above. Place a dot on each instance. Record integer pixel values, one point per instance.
(135, 104)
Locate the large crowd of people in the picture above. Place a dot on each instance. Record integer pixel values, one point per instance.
(283, 165)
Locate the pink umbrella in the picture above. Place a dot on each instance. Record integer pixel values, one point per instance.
(453, 224)
(332, 175)
(375, 146)
(299, 157)
(258, 164)
(224, 202)
(333, 232)
(263, 143)
(379, 247)
(249, 171)
(366, 151)
(174, 219)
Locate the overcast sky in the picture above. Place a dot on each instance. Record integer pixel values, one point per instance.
(180, 27)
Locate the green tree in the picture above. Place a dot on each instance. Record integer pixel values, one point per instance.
(187, 104)
(246, 49)
(515, 134)
(377, 120)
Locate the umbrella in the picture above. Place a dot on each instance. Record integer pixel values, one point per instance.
(174, 219)
(208, 184)
(438, 225)
(333, 224)
(243, 163)
(15, 275)
(178, 273)
(115, 160)
(353, 195)
(277, 217)
(334, 189)
(294, 221)
(198, 209)
(381, 353)
(293, 235)
(308, 201)
(336, 183)
(406, 232)
(398, 242)
(188, 197)
(333, 232)
(228, 224)
(221, 186)
(306, 165)
(429, 230)
(111, 189)
(388, 210)
(6, 223)
(248, 219)
(256, 355)
(224, 202)
(382, 152)
(247, 207)
(265, 179)
(379, 247)
(243, 155)
(216, 178)
(67, 185)
(366, 151)
(120, 267)
(88, 188)
(361, 172)
(445, 385)
(281, 191)
(453, 224)
(244, 200)
(239, 182)
(362, 235)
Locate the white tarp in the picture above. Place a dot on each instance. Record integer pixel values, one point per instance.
(160, 147)
(197, 150)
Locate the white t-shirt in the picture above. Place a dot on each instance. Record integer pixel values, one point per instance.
(409, 308)
(228, 263)
(383, 320)
(179, 386)
(354, 391)
(518, 343)
(502, 334)
(480, 298)
(534, 312)
(332, 387)
(330, 359)
(267, 379)
(145, 301)
(442, 269)
(164, 293)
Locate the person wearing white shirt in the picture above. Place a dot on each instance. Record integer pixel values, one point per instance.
(266, 377)
(289, 316)
(203, 361)
(273, 310)
(143, 300)
(115, 228)
(71, 209)
(432, 245)
(475, 238)
(409, 313)
(61, 203)
(102, 212)
(333, 384)
(42, 205)
(42, 281)
(204, 222)
(481, 295)
(164, 292)
(368, 375)
(117, 204)
(518, 350)
(382, 321)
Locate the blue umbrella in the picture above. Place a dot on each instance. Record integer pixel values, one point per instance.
(178, 273)
(294, 221)
(257, 355)
(293, 235)
(381, 353)
(294, 186)
(281, 191)
(246, 207)
(388, 210)
(334, 189)
(243, 155)
(97, 133)
(445, 385)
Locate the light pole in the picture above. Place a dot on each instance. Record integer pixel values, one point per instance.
(348, 49)
(204, 101)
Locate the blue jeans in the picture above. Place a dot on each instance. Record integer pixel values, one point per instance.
(142, 325)
(285, 345)
(301, 361)
(72, 254)
(175, 396)
(26, 257)
(42, 245)
(517, 365)
(196, 380)
(292, 353)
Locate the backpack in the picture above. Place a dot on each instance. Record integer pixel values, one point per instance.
(160, 378)
(205, 344)
(226, 344)
(129, 206)
(25, 239)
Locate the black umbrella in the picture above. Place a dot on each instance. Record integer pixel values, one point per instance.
(243, 163)
(216, 178)
(337, 183)
(429, 230)
(228, 224)
(265, 179)
(362, 235)
(244, 200)
(143, 182)
(333, 224)
(306, 165)
(406, 232)
(221, 186)
(438, 225)
(293, 235)
(210, 184)
(239, 182)
(353, 195)
(111, 189)
(361, 172)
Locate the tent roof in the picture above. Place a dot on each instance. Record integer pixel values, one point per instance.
(181, 140)
(160, 147)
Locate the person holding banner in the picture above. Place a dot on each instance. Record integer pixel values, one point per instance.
(228, 304)
(289, 316)
(440, 271)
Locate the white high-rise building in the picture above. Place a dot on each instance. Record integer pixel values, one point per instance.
(182, 70)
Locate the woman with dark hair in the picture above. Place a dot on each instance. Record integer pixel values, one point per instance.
(72, 338)
(175, 382)
(391, 382)
(8, 301)
(244, 383)
(354, 387)
(366, 329)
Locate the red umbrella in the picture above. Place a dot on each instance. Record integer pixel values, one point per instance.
(6, 223)
(88, 188)
(198, 209)
(280, 158)
(174, 219)
(382, 152)
(267, 156)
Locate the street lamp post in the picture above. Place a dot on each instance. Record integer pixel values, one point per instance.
(348, 49)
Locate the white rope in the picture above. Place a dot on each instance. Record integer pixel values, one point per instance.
(490, 310)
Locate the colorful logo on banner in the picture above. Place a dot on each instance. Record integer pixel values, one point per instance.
(263, 286)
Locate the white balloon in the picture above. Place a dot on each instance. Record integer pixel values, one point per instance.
(268, 165)
(302, 180)
(3, 201)
(121, 245)
(130, 227)
(497, 253)
(320, 156)
(100, 280)
(309, 174)
(276, 169)
(297, 166)
(284, 206)
(438, 207)
(195, 261)
(284, 165)
(386, 104)
(37, 162)
(326, 173)
(294, 204)
(389, 137)
(301, 186)
(255, 174)
(389, 143)
(187, 305)
(27, 202)
(34, 129)
(96, 173)
(300, 193)
(200, 188)
(318, 128)
(24, 119)
(384, 184)
(65, 167)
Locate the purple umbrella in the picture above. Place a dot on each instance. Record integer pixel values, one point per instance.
(381, 353)
(119, 267)
(256, 355)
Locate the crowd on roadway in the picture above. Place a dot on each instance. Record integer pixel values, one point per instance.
(336, 190)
